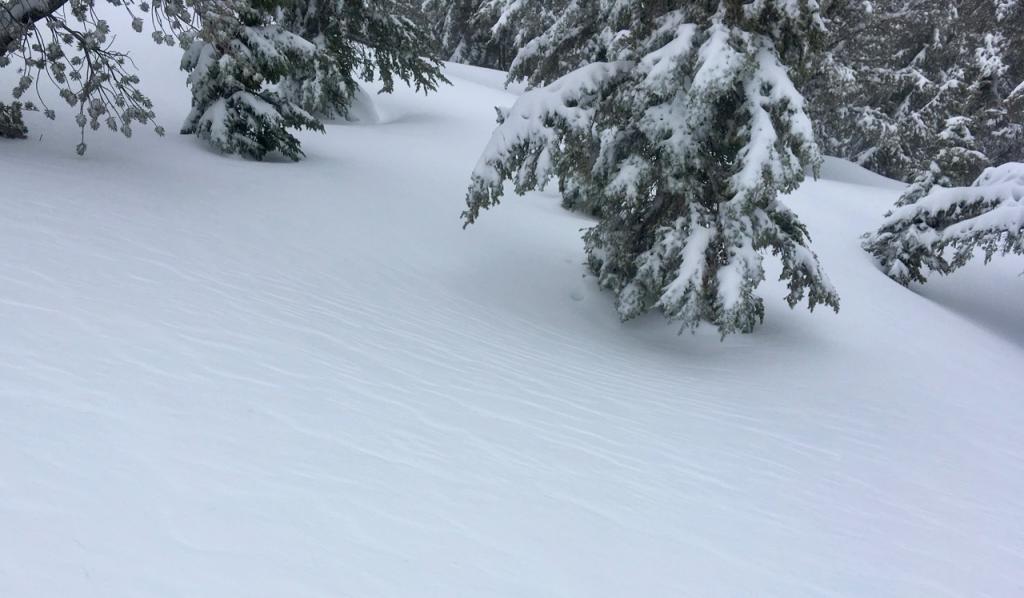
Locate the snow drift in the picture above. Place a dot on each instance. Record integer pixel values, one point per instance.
(225, 378)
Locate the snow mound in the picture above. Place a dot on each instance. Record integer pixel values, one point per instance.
(484, 77)
(363, 110)
(1010, 175)
(842, 171)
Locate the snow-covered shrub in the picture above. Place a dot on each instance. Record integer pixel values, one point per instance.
(940, 228)
(255, 73)
(240, 54)
(12, 126)
(682, 131)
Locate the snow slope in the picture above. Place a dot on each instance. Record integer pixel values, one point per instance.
(230, 379)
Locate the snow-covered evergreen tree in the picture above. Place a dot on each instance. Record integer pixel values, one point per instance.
(933, 97)
(514, 24)
(12, 126)
(683, 128)
(459, 33)
(239, 56)
(997, 91)
(258, 69)
(489, 33)
(357, 39)
(576, 36)
(938, 229)
(904, 79)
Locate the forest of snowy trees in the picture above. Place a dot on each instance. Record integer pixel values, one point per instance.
(678, 125)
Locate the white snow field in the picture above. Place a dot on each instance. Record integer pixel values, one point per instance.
(230, 379)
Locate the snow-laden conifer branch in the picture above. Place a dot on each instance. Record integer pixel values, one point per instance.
(531, 144)
(940, 228)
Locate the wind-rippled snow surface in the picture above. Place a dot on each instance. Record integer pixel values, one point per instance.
(228, 379)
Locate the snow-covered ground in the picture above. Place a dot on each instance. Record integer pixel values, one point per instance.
(232, 379)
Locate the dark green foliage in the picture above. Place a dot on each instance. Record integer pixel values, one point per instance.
(357, 39)
(256, 73)
(939, 228)
(489, 33)
(933, 95)
(906, 79)
(234, 63)
(11, 124)
(679, 131)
